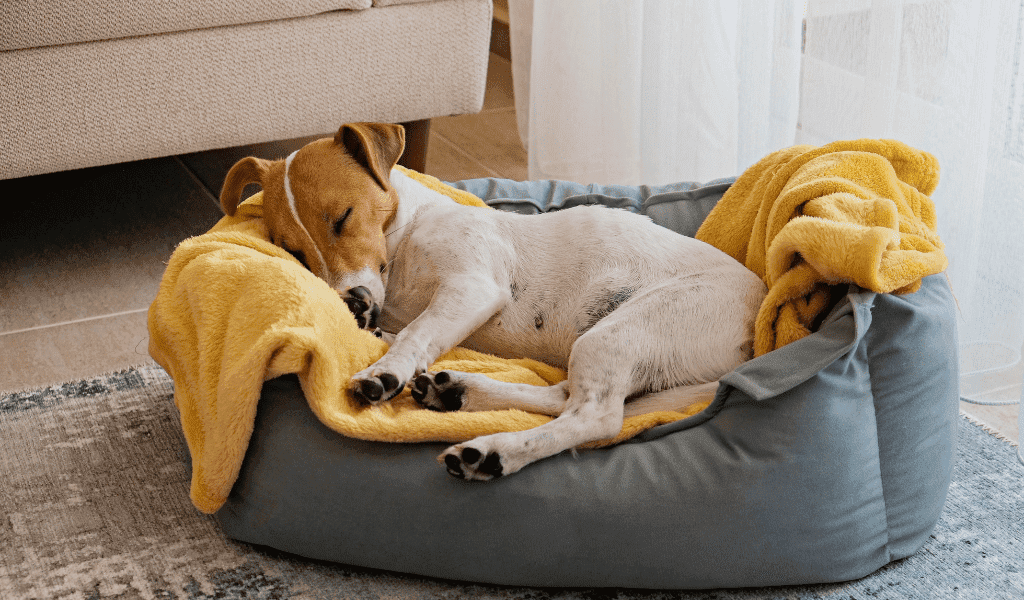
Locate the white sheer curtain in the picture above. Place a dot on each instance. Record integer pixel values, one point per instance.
(653, 91)
(946, 77)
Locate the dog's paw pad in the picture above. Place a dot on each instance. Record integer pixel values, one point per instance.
(491, 465)
(368, 390)
(389, 381)
(438, 391)
(361, 304)
(454, 465)
(470, 463)
(374, 390)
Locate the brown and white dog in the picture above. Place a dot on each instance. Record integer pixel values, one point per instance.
(631, 309)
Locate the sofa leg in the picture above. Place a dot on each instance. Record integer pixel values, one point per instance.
(417, 135)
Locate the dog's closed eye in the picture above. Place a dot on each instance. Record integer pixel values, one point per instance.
(340, 222)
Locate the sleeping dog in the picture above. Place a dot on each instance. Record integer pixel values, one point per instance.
(641, 318)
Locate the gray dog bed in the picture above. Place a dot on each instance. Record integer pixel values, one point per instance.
(821, 461)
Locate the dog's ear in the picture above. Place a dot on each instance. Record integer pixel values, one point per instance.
(375, 146)
(248, 170)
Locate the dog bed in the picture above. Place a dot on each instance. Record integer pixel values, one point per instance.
(818, 461)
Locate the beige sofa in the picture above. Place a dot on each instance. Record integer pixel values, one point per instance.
(92, 82)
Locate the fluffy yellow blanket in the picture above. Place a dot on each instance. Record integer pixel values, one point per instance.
(806, 219)
(233, 311)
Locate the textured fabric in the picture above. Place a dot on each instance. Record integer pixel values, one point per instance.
(820, 461)
(393, 2)
(805, 219)
(36, 23)
(104, 102)
(95, 502)
(234, 310)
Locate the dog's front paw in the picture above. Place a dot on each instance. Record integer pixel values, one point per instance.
(360, 301)
(369, 387)
(466, 462)
(438, 391)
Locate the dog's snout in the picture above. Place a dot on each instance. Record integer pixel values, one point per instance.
(360, 302)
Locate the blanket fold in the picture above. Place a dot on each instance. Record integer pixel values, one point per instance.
(810, 220)
(233, 311)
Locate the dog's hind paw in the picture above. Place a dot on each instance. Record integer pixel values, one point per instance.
(466, 462)
(438, 391)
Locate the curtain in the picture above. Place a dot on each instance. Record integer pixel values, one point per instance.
(651, 92)
(947, 77)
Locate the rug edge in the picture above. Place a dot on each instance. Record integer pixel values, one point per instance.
(989, 429)
(147, 365)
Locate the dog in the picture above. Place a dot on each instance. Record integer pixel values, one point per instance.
(641, 318)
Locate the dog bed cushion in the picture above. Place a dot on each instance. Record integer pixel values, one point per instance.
(819, 461)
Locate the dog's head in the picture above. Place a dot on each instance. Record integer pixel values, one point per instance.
(328, 204)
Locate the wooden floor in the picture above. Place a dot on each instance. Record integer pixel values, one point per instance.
(82, 253)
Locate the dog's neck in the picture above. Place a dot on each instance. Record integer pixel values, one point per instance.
(413, 198)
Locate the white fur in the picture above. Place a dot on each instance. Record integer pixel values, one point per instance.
(630, 308)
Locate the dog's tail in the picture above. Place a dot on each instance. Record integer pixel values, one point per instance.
(674, 399)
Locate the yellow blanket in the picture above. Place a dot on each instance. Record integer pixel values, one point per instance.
(806, 218)
(233, 311)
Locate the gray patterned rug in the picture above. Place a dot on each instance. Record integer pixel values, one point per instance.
(95, 505)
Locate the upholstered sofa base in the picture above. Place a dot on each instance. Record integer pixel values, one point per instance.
(86, 104)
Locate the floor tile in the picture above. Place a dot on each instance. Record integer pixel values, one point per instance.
(94, 241)
(68, 352)
(449, 163)
(491, 137)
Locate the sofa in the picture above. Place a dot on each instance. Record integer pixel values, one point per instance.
(86, 82)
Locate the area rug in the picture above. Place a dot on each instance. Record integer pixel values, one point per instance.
(94, 492)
